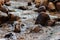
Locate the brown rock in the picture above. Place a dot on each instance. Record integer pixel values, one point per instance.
(58, 5)
(42, 19)
(9, 19)
(3, 10)
(51, 6)
(37, 5)
(51, 22)
(36, 29)
(3, 19)
(13, 18)
(17, 28)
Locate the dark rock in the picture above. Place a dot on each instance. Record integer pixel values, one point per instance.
(29, 4)
(58, 6)
(8, 19)
(42, 9)
(22, 8)
(8, 4)
(33, 0)
(58, 39)
(8, 35)
(22, 25)
(51, 0)
(57, 19)
(42, 19)
(13, 18)
(3, 10)
(3, 19)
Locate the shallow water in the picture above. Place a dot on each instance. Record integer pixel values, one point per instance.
(27, 17)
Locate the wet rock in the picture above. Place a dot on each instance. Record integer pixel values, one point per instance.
(33, 0)
(8, 35)
(58, 6)
(37, 1)
(57, 19)
(22, 8)
(51, 0)
(58, 39)
(11, 10)
(42, 9)
(42, 19)
(11, 36)
(8, 4)
(9, 18)
(3, 10)
(5, 25)
(45, 2)
(17, 27)
(37, 5)
(36, 29)
(22, 25)
(13, 17)
(3, 19)
(51, 6)
(29, 4)
(51, 23)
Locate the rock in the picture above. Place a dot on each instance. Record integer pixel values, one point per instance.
(17, 27)
(5, 25)
(58, 6)
(13, 17)
(41, 9)
(51, 6)
(1, 2)
(42, 19)
(10, 18)
(3, 10)
(57, 19)
(51, 23)
(7, 4)
(58, 39)
(37, 5)
(8, 35)
(52, 12)
(11, 36)
(3, 19)
(44, 2)
(22, 8)
(36, 29)
(37, 1)
(33, 0)
(51, 0)
(29, 4)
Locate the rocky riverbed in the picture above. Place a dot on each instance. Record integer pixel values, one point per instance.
(28, 19)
